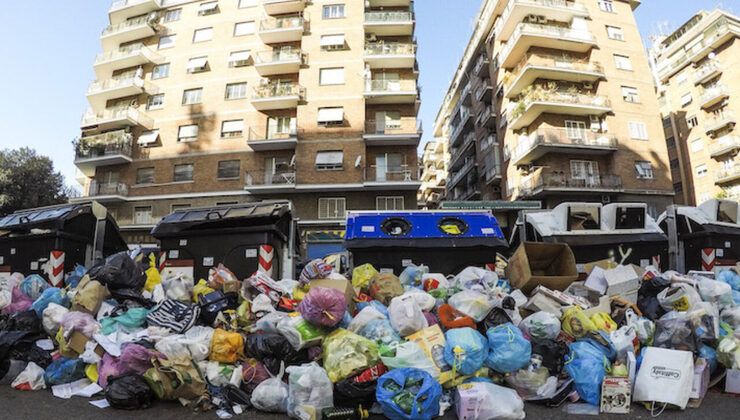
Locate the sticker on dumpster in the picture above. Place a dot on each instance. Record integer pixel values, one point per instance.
(487, 231)
(34, 265)
(251, 253)
(727, 245)
(207, 261)
(183, 242)
(12, 251)
(368, 229)
(720, 253)
(174, 254)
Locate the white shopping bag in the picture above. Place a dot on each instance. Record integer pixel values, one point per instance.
(665, 376)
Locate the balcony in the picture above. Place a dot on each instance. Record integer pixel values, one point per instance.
(282, 7)
(112, 148)
(127, 31)
(529, 35)
(561, 140)
(724, 145)
(484, 93)
(99, 93)
(727, 175)
(279, 61)
(389, 3)
(390, 55)
(402, 177)
(406, 132)
(286, 140)
(725, 119)
(282, 29)
(713, 95)
(469, 192)
(493, 174)
(121, 10)
(518, 10)
(105, 192)
(115, 118)
(462, 126)
(125, 57)
(267, 182)
(551, 67)
(458, 176)
(544, 100)
(465, 95)
(391, 91)
(543, 183)
(482, 65)
(707, 72)
(277, 96)
(486, 118)
(390, 23)
(466, 149)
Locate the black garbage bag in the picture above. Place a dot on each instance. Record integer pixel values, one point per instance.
(214, 303)
(496, 317)
(37, 355)
(271, 349)
(647, 297)
(349, 393)
(24, 321)
(118, 271)
(129, 392)
(13, 343)
(552, 353)
(131, 298)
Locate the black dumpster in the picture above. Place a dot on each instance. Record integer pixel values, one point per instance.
(445, 241)
(244, 237)
(51, 240)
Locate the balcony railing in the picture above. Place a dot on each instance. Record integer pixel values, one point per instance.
(535, 29)
(727, 174)
(130, 24)
(400, 173)
(98, 189)
(272, 135)
(280, 56)
(540, 94)
(294, 21)
(724, 145)
(486, 116)
(562, 137)
(125, 52)
(539, 182)
(389, 17)
(710, 94)
(410, 126)
(278, 90)
(120, 4)
(113, 143)
(703, 73)
(390, 48)
(720, 121)
(386, 86)
(258, 179)
(458, 152)
(114, 114)
(559, 4)
(459, 175)
(493, 172)
(563, 62)
(117, 83)
(481, 66)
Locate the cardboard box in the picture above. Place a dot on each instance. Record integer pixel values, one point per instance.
(344, 286)
(78, 341)
(623, 280)
(540, 302)
(552, 265)
(700, 384)
(732, 381)
(616, 395)
(432, 341)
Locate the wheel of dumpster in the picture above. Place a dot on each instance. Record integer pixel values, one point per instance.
(395, 226)
(452, 226)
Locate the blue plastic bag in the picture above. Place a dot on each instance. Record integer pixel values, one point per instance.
(600, 340)
(50, 295)
(508, 349)
(375, 304)
(730, 277)
(710, 355)
(411, 276)
(380, 331)
(466, 350)
(587, 365)
(33, 285)
(408, 393)
(64, 371)
(74, 277)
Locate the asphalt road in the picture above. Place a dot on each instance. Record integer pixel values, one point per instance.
(41, 405)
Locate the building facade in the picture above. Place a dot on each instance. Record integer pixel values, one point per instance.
(434, 174)
(698, 72)
(551, 102)
(202, 103)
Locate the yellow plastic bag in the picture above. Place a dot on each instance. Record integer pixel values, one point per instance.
(604, 322)
(226, 347)
(362, 275)
(64, 349)
(152, 275)
(346, 353)
(576, 323)
(201, 289)
(91, 371)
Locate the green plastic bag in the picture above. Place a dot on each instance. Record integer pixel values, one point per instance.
(346, 353)
(133, 318)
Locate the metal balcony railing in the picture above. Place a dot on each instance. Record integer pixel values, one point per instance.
(563, 180)
(130, 24)
(400, 173)
(116, 83)
(256, 178)
(713, 92)
(719, 121)
(411, 126)
(724, 145)
(385, 86)
(727, 174)
(390, 48)
(278, 56)
(125, 52)
(112, 114)
(555, 96)
(294, 21)
(562, 61)
(98, 189)
(113, 143)
(389, 16)
(278, 90)
(702, 72)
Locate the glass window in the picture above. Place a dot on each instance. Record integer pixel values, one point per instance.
(208, 8)
(243, 28)
(161, 71)
(329, 160)
(331, 76)
(202, 35)
(183, 173)
(143, 215)
(606, 6)
(155, 102)
(229, 169)
(697, 145)
(644, 169)
(236, 90)
(239, 58)
(243, 4)
(332, 208)
(701, 170)
(615, 32)
(232, 128)
(692, 121)
(389, 203)
(686, 99)
(622, 62)
(630, 94)
(638, 130)
(192, 96)
(281, 127)
(187, 133)
(145, 176)
(333, 11)
(167, 41)
(172, 15)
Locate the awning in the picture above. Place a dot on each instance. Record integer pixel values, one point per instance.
(197, 63)
(239, 56)
(148, 137)
(187, 131)
(233, 126)
(332, 40)
(208, 7)
(329, 158)
(328, 115)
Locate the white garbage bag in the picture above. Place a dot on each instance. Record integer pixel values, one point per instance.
(198, 340)
(179, 287)
(473, 304)
(52, 318)
(309, 391)
(406, 316)
(483, 401)
(271, 395)
(541, 325)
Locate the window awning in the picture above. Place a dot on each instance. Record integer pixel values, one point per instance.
(233, 126)
(208, 7)
(197, 63)
(329, 158)
(331, 40)
(148, 137)
(188, 131)
(328, 115)
(239, 56)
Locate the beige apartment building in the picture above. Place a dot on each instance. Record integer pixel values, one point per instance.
(698, 72)
(553, 101)
(434, 160)
(202, 103)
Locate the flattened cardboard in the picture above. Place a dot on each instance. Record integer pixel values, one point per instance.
(78, 341)
(432, 341)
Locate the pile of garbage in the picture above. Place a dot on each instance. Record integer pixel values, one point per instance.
(342, 345)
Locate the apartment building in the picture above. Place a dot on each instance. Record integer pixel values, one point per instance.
(199, 103)
(434, 161)
(698, 68)
(553, 101)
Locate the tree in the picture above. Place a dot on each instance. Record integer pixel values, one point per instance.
(28, 180)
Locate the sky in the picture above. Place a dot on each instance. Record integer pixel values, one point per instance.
(50, 46)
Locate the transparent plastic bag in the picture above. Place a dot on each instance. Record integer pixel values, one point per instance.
(576, 323)
(410, 355)
(175, 348)
(644, 327)
(715, 291)
(406, 316)
(362, 275)
(364, 317)
(484, 400)
(299, 332)
(674, 331)
(678, 297)
(346, 353)
(309, 390)
(271, 396)
(179, 287)
(473, 304)
(541, 325)
(381, 331)
(199, 340)
(52, 318)
(704, 317)
(30, 379)
(411, 275)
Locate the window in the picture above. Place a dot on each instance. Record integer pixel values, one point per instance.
(622, 62)
(183, 173)
(692, 122)
(202, 35)
(332, 208)
(233, 128)
(178, 207)
(331, 116)
(236, 91)
(239, 58)
(333, 11)
(697, 145)
(192, 96)
(145, 176)
(172, 15)
(281, 127)
(161, 71)
(638, 130)
(386, 120)
(208, 8)
(576, 130)
(606, 6)
(686, 99)
(229, 169)
(671, 142)
(389, 203)
(148, 138)
(243, 4)
(197, 65)
(329, 160)
(167, 41)
(332, 76)
(682, 77)
(586, 170)
(675, 163)
(155, 102)
(143, 215)
(644, 169)
(187, 133)
(332, 42)
(615, 33)
(701, 170)
(630, 94)
(243, 28)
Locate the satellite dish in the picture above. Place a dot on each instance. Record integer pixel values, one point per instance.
(358, 161)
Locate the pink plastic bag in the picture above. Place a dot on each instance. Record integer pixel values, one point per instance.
(323, 306)
(79, 321)
(19, 302)
(134, 359)
(253, 374)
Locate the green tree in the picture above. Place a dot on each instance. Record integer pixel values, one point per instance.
(28, 180)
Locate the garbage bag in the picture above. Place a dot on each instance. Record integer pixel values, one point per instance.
(704, 317)
(199, 340)
(271, 395)
(130, 321)
(64, 371)
(384, 287)
(272, 349)
(33, 285)
(409, 355)
(576, 323)
(309, 390)
(346, 353)
(171, 381)
(550, 353)
(411, 275)
(483, 400)
(174, 315)
(730, 277)
(715, 291)
(134, 358)
(362, 275)
(218, 374)
(153, 277)
(220, 275)
(175, 348)
(300, 333)
(451, 318)
(129, 392)
(73, 278)
(602, 321)
(710, 355)
(508, 349)
(323, 306)
(380, 331)
(678, 297)
(178, 287)
(405, 394)
(30, 379)
(731, 316)
(52, 318)
(226, 347)
(624, 340)
(50, 295)
(528, 382)
(351, 393)
(89, 296)
(212, 304)
(673, 331)
(24, 321)
(316, 269)
(253, 374)
(728, 352)
(497, 316)
(587, 365)
(79, 321)
(19, 302)
(118, 271)
(406, 316)
(200, 289)
(425, 301)
(364, 317)
(465, 350)
(473, 304)
(541, 326)
(644, 328)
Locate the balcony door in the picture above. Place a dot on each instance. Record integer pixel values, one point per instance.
(585, 172)
(282, 53)
(387, 120)
(277, 171)
(280, 127)
(386, 81)
(386, 165)
(576, 131)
